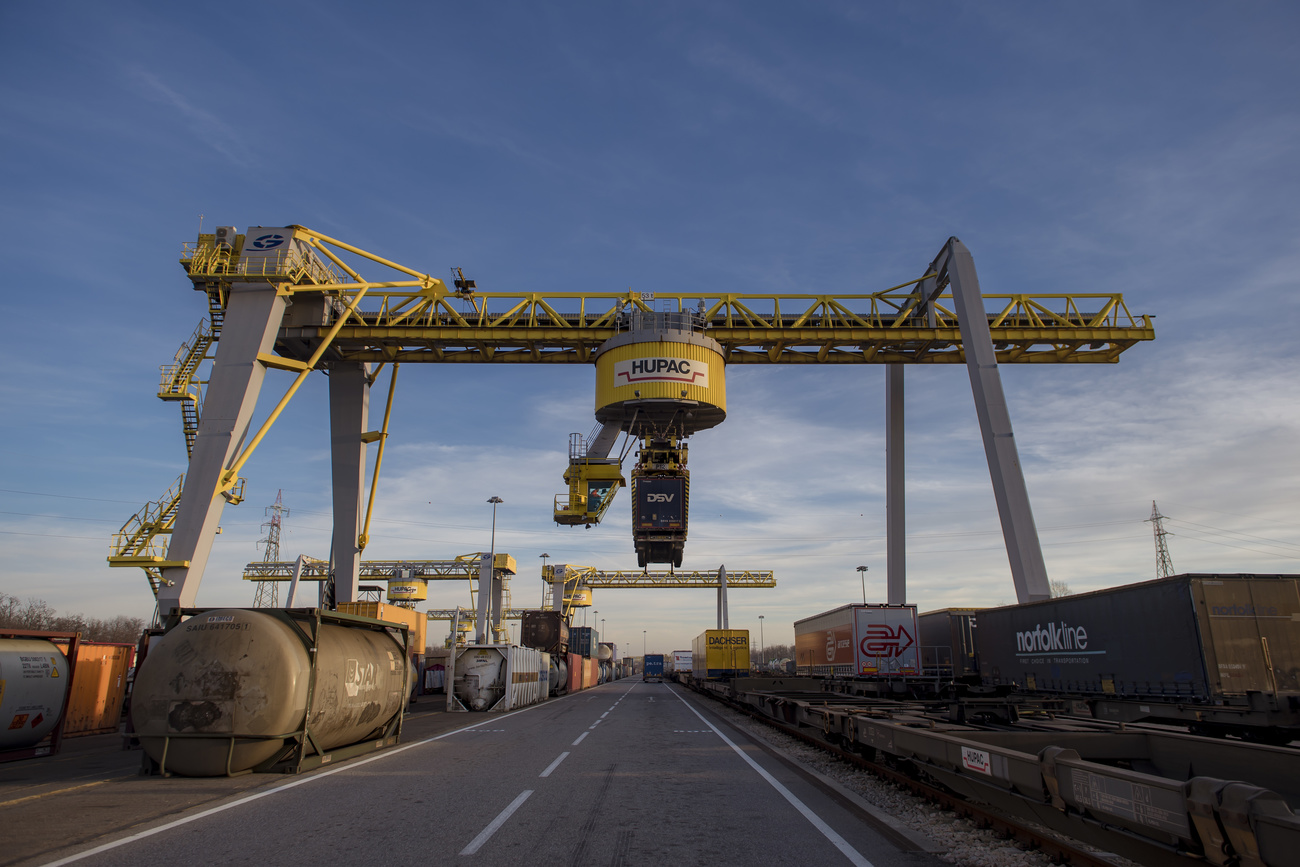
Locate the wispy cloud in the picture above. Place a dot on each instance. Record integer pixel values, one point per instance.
(215, 133)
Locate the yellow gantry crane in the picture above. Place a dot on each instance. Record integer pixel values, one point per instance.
(350, 324)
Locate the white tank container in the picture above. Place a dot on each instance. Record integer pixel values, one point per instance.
(498, 677)
(33, 687)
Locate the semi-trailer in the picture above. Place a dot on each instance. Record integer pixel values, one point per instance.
(720, 653)
(653, 671)
(858, 641)
(682, 661)
(1220, 652)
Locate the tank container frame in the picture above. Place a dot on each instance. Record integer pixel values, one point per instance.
(43, 748)
(294, 758)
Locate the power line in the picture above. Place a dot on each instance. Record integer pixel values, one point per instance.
(66, 496)
(62, 517)
(1236, 533)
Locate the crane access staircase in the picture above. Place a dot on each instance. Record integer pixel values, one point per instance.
(142, 541)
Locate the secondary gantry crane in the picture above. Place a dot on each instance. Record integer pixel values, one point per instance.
(249, 278)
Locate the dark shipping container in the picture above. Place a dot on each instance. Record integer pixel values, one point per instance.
(660, 503)
(584, 641)
(1190, 637)
(545, 630)
(948, 642)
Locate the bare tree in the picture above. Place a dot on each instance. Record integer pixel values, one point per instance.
(37, 615)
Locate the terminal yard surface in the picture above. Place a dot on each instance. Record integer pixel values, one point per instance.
(626, 773)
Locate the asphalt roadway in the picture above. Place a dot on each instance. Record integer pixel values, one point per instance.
(628, 773)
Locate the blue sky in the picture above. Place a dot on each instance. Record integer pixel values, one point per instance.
(1147, 148)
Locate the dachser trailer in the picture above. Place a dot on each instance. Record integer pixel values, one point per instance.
(720, 653)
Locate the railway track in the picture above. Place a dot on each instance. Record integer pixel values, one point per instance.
(1076, 811)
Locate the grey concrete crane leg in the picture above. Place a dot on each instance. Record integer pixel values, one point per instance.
(349, 415)
(1028, 570)
(253, 314)
(558, 574)
(485, 614)
(724, 619)
(895, 488)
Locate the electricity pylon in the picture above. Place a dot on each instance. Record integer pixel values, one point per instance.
(268, 592)
(1164, 565)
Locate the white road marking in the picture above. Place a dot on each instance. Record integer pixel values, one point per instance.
(854, 856)
(486, 833)
(553, 765)
(301, 781)
(593, 725)
(579, 740)
(605, 714)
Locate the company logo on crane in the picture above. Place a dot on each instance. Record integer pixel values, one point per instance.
(682, 370)
(268, 242)
(885, 640)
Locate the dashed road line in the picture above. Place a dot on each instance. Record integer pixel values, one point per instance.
(495, 824)
(579, 740)
(553, 765)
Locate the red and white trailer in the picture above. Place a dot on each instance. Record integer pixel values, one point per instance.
(858, 640)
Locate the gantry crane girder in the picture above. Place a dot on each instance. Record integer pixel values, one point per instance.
(828, 331)
(423, 320)
(461, 568)
(467, 615)
(342, 320)
(591, 577)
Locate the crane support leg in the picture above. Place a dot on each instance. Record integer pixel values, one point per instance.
(724, 619)
(895, 488)
(1028, 570)
(558, 574)
(252, 320)
(498, 599)
(349, 415)
(488, 615)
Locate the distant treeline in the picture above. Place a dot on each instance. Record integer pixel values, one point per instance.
(38, 615)
(774, 651)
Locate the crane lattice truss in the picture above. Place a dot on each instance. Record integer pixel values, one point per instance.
(421, 319)
(591, 577)
(467, 615)
(461, 568)
(342, 320)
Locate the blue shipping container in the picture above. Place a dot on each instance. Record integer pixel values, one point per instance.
(584, 641)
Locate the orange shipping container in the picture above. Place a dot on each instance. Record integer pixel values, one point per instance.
(98, 687)
(418, 622)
